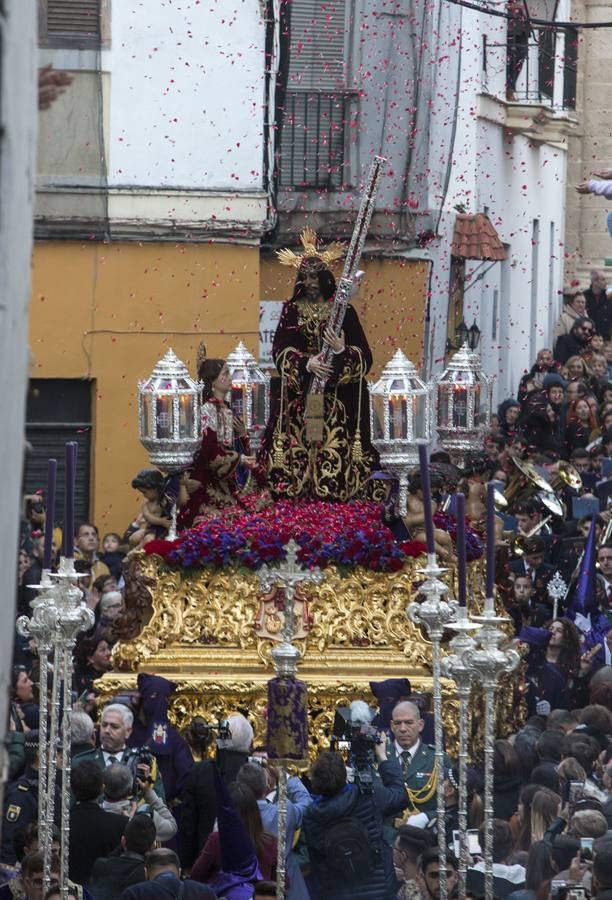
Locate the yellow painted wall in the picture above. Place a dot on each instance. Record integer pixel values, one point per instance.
(391, 303)
(109, 312)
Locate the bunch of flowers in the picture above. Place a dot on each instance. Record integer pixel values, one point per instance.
(328, 534)
(340, 534)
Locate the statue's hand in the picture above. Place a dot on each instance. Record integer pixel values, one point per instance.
(316, 366)
(335, 341)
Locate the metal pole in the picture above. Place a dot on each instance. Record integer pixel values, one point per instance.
(282, 832)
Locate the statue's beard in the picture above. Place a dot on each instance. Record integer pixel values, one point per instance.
(313, 293)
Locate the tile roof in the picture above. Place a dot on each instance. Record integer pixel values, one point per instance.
(475, 238)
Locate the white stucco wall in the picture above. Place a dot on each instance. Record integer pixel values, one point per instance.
(186, 94)
(517, 181)
(18, 105)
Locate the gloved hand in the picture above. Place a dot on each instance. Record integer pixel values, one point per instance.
(542, 707)
(418, 820)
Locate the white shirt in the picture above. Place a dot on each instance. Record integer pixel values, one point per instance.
(411, 750)
(117, 755)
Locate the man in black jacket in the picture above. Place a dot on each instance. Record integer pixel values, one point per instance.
(162, 868)
(576, 341)
(93, 831)
(113, 874)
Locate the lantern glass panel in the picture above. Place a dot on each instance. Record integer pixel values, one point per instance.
(163, 416)
(460, 406)
(185, 415)
(238, 402)
(148, 416)
(378, 404)
(259, 405)
(398, 417)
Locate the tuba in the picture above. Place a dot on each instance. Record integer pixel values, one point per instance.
(526, 483)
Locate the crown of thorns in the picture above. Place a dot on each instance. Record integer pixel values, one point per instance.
(327, 255)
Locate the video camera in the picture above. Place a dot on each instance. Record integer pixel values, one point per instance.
(143, 758)
(201, 731)
(354, 732)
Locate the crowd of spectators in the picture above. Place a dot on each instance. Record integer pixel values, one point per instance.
(146, 798)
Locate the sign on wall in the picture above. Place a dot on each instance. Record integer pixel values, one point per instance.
(269, 314)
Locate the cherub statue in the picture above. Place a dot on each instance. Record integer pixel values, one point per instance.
(415, 515)
(159, 492)
(474, 487)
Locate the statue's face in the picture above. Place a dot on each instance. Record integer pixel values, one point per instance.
(310, 279)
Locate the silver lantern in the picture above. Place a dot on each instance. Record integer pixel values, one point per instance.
(400, 415)
(464, 396)
(250, 393)
(169, 412)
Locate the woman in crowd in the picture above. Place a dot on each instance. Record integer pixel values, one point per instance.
(208, 863)
(580, 423)
(507, 780)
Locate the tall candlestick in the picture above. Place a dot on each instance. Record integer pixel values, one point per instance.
(426, 491)
(68, 542)
(490, 539)
(460, 550)
(50, 512)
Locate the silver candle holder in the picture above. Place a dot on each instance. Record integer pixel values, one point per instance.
(58, 616)
(289, 575)
(454, 667)
(435, 614)
(487, 663)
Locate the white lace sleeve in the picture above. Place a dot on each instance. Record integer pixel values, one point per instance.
(209, 417)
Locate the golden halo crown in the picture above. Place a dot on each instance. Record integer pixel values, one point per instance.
(308, 237)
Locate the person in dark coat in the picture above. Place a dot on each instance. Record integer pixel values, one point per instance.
(21, 800)
(334, 801)
(599, 305)
(153, 730)
(113, 874)
(507, 780)
(93, 831)
(574, 343)
(198, 797)
(162, 868)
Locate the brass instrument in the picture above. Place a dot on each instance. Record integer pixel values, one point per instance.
(517, 543)
(552, 504)
(525, 483)
(566, 475)
(501, 504)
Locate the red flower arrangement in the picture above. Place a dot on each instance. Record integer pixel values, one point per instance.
(337, 534)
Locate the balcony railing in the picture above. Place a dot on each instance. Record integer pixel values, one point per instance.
(313, 140)
(539, 73)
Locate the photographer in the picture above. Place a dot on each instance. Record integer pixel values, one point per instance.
(343, 828)
(120, 792)
(115, 729)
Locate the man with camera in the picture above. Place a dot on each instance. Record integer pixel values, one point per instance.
(115, 729)
(343, 828)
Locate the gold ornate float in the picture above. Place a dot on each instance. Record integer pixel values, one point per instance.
(211, 633)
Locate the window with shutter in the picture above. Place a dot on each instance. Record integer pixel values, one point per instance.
(316, 103)
(70, 23)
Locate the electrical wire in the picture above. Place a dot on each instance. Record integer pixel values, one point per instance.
(541, 23)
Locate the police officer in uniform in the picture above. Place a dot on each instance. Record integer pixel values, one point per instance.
(21, 799)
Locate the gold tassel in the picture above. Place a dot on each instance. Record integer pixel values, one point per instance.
(357, 451)
(278, 454)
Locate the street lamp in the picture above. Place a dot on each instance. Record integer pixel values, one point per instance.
(400, 415)
(465, 335)
(250, 394)
(464, 396)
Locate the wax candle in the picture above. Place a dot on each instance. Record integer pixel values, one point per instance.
(70, 473)
(426, 490)
(460, 550)
(490, 538)
(50, 512)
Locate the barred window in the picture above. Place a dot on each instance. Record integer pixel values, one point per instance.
(316, 110)
(70, 23)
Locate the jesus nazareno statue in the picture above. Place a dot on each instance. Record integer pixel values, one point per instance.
(338, 466)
